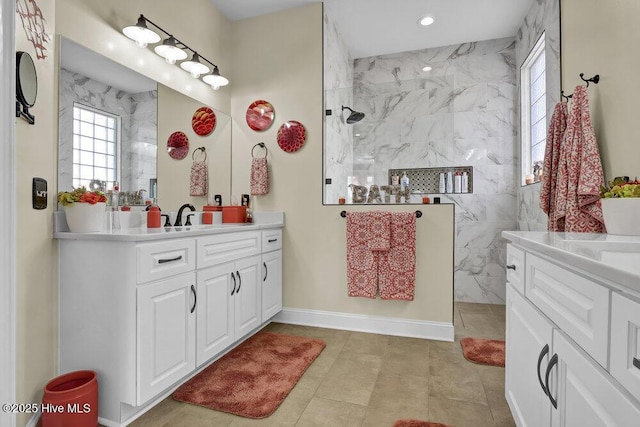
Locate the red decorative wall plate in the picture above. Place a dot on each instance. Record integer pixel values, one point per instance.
(291, 136)
(260, 115)
(203, 121)
(178, 145)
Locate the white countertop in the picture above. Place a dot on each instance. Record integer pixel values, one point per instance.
(611, 257)
(262, 220)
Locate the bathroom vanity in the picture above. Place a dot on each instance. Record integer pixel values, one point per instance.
(148, 308)
(573, 329)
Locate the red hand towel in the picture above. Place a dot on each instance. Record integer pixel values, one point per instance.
(580, 172)
(259, 179)
(378, 226)
(555, 134)
(397, 267)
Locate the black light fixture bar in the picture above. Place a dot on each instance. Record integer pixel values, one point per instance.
(182, 45)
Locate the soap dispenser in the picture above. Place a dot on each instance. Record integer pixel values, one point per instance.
(153, 215)
(404, 181)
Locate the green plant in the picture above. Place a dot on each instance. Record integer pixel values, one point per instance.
(80, 195)
(619, 188)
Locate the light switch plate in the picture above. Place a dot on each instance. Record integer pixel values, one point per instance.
(39, 193)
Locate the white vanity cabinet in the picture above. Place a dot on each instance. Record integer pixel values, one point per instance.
(147, 313)
(271, 273)
(558, 348)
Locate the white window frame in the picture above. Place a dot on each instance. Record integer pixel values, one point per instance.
(118, 142)
(526, 161)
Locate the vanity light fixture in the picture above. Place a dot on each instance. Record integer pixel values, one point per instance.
(173, 50)
(427, 20)
(194, 66)
(426, 68)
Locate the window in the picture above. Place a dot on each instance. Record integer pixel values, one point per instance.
(533, 91)
(95, 145)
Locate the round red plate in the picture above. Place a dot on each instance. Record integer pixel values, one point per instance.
(178, 145)
(291, 136)
(203, 121)
(260, 115)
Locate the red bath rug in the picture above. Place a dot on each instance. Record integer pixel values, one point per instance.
(483, 351)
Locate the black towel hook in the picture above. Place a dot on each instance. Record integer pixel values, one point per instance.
(595, 79)
(567, 97)
(260, 144)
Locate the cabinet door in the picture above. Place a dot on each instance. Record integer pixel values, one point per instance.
(527, 334)
(165, 334)
(586, 395)
(215, 312)
(271, 284)
(247, 296)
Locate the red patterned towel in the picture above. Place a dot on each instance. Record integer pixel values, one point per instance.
(580, 172)
(362, 262)
(378, 225)
(555, 134)
(199, 185)
(397, 267)
(259, 179)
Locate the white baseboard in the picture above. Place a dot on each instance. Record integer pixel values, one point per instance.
(365, 323)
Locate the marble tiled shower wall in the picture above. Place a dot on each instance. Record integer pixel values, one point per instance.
(462, 112)
(138, 114)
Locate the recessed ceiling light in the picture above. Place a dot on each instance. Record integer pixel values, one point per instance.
(427, 68)
(427, 20)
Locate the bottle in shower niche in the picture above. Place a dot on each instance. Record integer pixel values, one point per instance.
(442, 186)
(404, 181)
(457, 183)
(449, 182)
(465, 182)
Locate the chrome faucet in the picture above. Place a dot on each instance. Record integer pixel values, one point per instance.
(179, 217)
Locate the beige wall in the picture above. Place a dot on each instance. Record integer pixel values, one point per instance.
(36, 150)
(278, 58)
(602, 37)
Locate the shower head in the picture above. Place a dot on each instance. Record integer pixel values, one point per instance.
(354, 117)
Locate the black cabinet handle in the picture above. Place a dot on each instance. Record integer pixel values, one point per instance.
(165, 260)
(266, 271)
(272, 240)
(636, 363)
(195, 298)
(239, 281)
(233, 291)
(543, 352)
(511, 267)
(553, 361)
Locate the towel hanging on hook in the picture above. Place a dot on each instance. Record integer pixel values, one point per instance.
(199, 178)
(259, 178)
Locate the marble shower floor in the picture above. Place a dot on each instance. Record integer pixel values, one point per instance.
(372, 380)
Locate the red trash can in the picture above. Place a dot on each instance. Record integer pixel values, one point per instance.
(71, 400)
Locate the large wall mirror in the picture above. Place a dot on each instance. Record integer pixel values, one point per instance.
(445, 97)
(114, 124)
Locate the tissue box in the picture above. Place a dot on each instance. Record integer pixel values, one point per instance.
(234, 214)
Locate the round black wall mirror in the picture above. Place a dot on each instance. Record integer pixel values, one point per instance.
(26, 86)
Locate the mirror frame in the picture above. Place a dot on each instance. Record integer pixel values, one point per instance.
(25, 74)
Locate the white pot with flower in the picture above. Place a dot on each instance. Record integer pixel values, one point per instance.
(621, 207)
(84, 210)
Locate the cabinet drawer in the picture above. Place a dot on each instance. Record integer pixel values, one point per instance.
(625, 343)
(221, 248)
(579, 306)
(515, 267)
(271, 240)
(164, 259)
